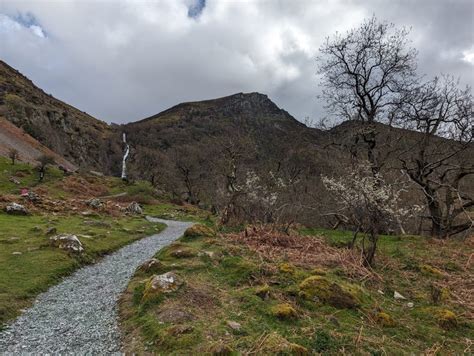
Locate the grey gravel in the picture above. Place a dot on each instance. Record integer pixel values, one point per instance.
(79, 315)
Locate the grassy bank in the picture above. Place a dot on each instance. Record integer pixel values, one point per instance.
(29, 265)
(258, 295)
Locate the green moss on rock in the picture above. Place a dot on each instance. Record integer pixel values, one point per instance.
(384, 319)
(430, 271)
(263, 291)
(319, 288)
(447, 319)
(284, 311)
(275, 344)
(286, 268)
(197, 231)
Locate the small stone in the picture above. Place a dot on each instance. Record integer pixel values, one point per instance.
(397, 295)
(234, 325)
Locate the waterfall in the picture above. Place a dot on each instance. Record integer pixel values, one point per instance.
(125, 156)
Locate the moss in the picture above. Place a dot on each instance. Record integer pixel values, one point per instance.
(319, 288)
(284, 311)
(286, 268)
(447, 319)
(384, 319)
(318, 272)
(197, 231)
(275, 344)
(430, 271)
(263, 291)
(235, 270)
(177, 250)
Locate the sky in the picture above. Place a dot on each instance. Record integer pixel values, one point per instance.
(124, 60)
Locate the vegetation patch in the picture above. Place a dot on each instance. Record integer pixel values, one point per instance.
(249, 300)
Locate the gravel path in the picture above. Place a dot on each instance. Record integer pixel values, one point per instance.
(79, 315)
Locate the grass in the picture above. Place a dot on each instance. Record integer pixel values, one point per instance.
(30, 265)
(25, 173)
(226, 281)
(39, 265)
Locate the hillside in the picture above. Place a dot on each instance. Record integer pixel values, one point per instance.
(73, 134)
(29, 149)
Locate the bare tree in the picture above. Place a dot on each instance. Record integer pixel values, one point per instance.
(44, 161)
(13, 154)
(441, 161)
(363, 74)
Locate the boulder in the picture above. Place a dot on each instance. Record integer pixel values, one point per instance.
(160, 284)
(284, 311)
(447, 319)
(134, 208)
(67, 242)
(198, 230)
(151, 266)
(384, 319)
(16, 209)
(320, 289)
(95, 203)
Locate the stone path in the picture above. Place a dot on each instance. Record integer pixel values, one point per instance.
(79, 315)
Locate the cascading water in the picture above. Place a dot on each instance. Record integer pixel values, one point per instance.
(125, 156)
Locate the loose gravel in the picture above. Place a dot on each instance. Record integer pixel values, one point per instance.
(79, 315)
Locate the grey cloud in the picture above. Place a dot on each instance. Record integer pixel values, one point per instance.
(123, 61)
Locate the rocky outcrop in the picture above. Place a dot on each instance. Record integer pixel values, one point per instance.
(134, 208)
(67, 242)
(162, 283)
(16, 209)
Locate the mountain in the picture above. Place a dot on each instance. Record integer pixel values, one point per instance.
(252, 114)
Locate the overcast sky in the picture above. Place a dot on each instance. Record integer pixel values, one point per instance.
(125, 60)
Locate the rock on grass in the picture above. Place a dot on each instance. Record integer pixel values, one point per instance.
(157, 285)
(319, 288)
(284, 311)
(198, 230)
